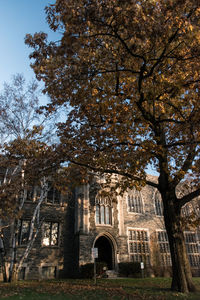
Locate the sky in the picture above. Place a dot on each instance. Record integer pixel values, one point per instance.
(17, 18)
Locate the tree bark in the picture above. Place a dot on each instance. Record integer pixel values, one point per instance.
(3, 267)
(2, 254)
(181, 270)
(13, 258)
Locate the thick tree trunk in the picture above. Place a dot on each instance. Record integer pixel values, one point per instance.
(182, 276)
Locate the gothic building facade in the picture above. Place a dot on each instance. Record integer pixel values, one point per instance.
(129, 228)
(124, 228)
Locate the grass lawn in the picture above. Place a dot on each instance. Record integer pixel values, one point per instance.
(132, 288)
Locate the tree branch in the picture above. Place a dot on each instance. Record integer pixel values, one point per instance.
(189, 197)
(185, 167)
(112, 171)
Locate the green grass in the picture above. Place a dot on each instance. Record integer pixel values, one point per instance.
(130, 288)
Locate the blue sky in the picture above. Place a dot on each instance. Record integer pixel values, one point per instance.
(18, 17)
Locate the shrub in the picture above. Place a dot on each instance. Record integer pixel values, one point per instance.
(100, 268)
(162, 271)
(87, 270)
(129, 269)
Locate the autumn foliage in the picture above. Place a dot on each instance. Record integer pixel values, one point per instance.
(127, 73)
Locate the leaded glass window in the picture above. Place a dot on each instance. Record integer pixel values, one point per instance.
(23, 232)
(53, 195)
(103, 211)
(135, 203)
(33, 193)
(50, 233)
(158, 204)
(139, 245)
(192, 248)
(164, 250)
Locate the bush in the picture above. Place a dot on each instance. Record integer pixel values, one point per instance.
(87, 270)
(161, 271)
(129, 269)
(101, 267)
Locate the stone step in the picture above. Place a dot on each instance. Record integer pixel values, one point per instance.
(111, 274)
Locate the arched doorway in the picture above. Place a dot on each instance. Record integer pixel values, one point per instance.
(105, 251)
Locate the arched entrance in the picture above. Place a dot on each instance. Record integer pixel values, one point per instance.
(105, 251)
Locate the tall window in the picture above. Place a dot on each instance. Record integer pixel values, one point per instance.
(53, 196)
(103, 211)
(33, 193)
(192, 248)
(164, 250)
(158, 205)
(139, 245)
(30, 193)
(50, 234)
(23, 232)
(135, 202)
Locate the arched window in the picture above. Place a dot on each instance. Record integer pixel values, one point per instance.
(97, 214)
(135, 202)
(103, 211)
(158, 205)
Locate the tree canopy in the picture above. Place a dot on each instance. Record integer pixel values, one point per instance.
(128, 74)
(23, 164)
(19, 106)
(24, 142)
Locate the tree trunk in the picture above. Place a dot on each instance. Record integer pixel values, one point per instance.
(34, 228)
(3, 267)
(28, 248)
(2, 254)
(13, 259)
(181, 271)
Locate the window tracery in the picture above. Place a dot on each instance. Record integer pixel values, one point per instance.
(158, 204)
(135, 203)
(139, 245)
(103, 210)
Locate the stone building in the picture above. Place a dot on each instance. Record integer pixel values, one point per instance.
(123, 228)
(128, 228)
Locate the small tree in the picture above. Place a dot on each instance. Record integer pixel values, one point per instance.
(25, 163)
(18, 107)
(25, 160)
(19, 111)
